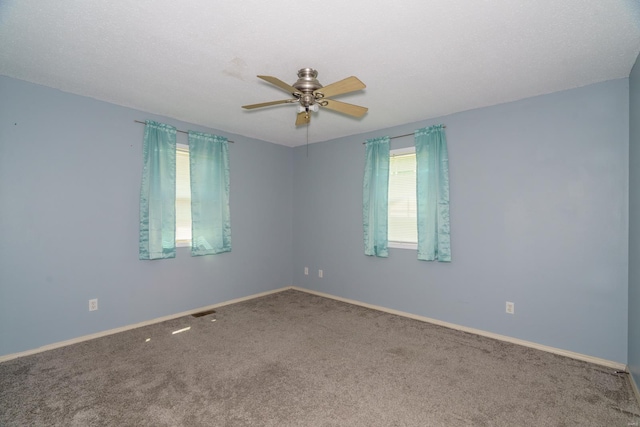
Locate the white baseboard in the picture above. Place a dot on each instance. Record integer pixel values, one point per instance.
(134, 326)
(561, 352)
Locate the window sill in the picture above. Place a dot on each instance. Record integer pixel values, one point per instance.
(403, 245)
(183, 243)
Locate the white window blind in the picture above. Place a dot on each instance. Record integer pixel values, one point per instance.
(183, 197)
(402, 197)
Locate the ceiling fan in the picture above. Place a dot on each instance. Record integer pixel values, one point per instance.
(311, 95)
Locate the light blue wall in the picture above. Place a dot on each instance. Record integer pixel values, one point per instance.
(539, 217)
(70, 170)
(634, 222)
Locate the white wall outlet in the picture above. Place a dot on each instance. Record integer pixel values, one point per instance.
(306, 271)
(93, 304)
(320, 274)
(511, 308)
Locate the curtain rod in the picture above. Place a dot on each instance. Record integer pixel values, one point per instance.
(400, 136)
(177, 130)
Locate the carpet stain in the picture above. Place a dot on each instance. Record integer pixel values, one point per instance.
(592, 399)
(400, 351)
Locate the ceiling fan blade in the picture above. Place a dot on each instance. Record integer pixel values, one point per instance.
(350, 84)
(303, 118)
(267, 104)
(344, 108)
(279, 83)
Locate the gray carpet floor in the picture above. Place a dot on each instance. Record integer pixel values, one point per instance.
(296, 359)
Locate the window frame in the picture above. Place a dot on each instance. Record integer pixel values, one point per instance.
(392, 243)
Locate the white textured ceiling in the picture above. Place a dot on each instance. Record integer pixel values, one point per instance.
(197, 60)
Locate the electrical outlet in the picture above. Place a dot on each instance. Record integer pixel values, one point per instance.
(511, 308)
(320, 274)
(306, 271)
(93, 304)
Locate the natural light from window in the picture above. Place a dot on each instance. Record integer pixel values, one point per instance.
(402, 231)
(183, 196)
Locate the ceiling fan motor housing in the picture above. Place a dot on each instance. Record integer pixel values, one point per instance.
(307, 84)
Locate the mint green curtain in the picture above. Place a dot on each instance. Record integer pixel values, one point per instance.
(158, 192)
(433, 194)
(375, 197)
(210, 219)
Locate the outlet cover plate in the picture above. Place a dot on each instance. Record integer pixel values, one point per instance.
(510, 308)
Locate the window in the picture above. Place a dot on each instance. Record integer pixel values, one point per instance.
(183, 197)
(402, 222)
